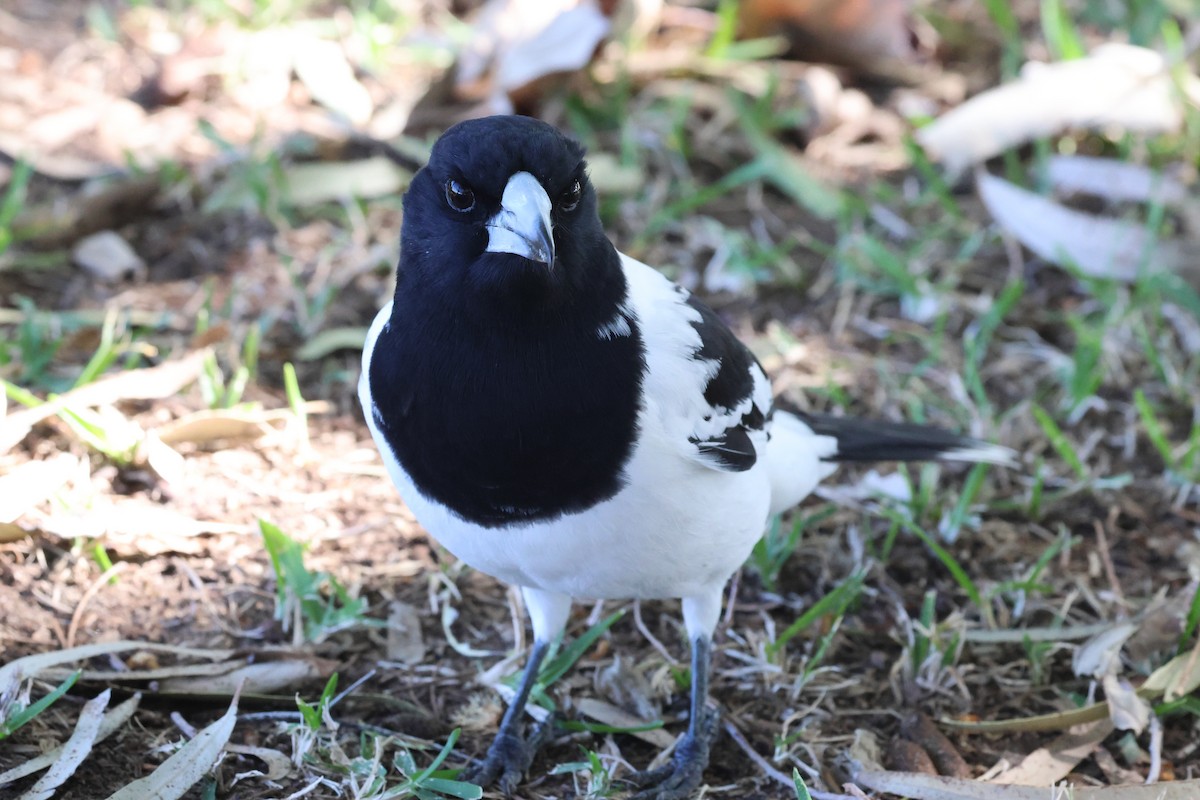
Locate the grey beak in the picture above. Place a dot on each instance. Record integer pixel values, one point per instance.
(522, 225)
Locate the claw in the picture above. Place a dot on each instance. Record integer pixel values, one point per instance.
(510, 756)
(679, 779)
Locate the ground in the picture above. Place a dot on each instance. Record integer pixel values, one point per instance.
(937, 590)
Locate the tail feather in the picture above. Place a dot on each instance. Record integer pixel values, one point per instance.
(873, 440)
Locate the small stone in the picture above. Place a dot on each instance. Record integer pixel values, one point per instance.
(107, 257)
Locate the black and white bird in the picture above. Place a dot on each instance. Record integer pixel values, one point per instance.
(564, 418)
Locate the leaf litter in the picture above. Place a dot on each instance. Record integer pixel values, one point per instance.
(191, 575)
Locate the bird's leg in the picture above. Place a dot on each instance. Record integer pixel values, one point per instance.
(680, 778)
(511, 753)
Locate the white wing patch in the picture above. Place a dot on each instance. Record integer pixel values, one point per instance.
(676, 378)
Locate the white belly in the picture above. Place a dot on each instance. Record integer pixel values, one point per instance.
(644, 542)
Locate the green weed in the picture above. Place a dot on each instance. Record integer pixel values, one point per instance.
(313, 605)
(15, 714)
(834, 604)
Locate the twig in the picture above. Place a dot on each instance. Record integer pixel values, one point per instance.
(769, 770)
(1106, 560)
(88, 594)
(650, 637)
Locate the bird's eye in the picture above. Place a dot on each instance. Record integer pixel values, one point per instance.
(459, 196)
(570, 198)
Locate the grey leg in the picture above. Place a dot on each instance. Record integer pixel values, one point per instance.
(679, 779)
(511, 753)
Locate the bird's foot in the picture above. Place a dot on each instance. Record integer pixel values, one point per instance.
(509, 757)
(679, 779)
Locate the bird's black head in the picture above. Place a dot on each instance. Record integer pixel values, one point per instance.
(502, 213)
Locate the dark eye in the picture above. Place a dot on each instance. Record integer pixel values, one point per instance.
(570, 198)
(459, 196)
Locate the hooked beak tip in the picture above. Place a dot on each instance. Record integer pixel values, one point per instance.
(522, 226)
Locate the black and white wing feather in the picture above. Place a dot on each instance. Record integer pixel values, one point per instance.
(705, 386)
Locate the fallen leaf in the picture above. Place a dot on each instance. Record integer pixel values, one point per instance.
(1179, 677)
(1048, 765)
(1100, 247)
(1128, 711)
(565, 45)
(279, 766)
(405, 642)
(627, 688)
(266, 677)
(231, 425)
(917, 727)
(1117, 85)
(366, 178)
(856, 33)
(517, 43)
(1100, 655)
(151, 383)
(933, 787)
(73, 751)
(608, 714)
(107, 257)
(33, 482)
(110, 723)
(137, 527)
(1113, 180)
(186, 766)
(166, 462)
(324, 69)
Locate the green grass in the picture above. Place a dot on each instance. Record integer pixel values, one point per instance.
(15, 716)
(13, 201)
(558, 663)
(1183, 461)
(774, 549)
(834, 604)
(313, 605)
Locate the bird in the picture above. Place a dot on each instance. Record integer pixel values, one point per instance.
(566, 419)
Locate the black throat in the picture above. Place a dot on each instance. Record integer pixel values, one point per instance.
(511, 412)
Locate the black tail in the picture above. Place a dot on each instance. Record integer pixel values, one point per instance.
(872, 440)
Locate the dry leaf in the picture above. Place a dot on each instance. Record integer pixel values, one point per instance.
(1098, 246)
(74, 750)
(405, 642)
(32, 482)
(1113, 180)
(1128, 711)
(1116, 85)
(565, 45)
(608, 714)
(107, 257)
(231, 425)
(186, 766)
(857, 33)
(627, 688)
(323, 67)
(266, 677)
(1100, 655)
(15, 672)
(111, 722)
(517, 43)
(152, 383)
(279, 766)
(367, 178)
(933, 787)
(1048, 765)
